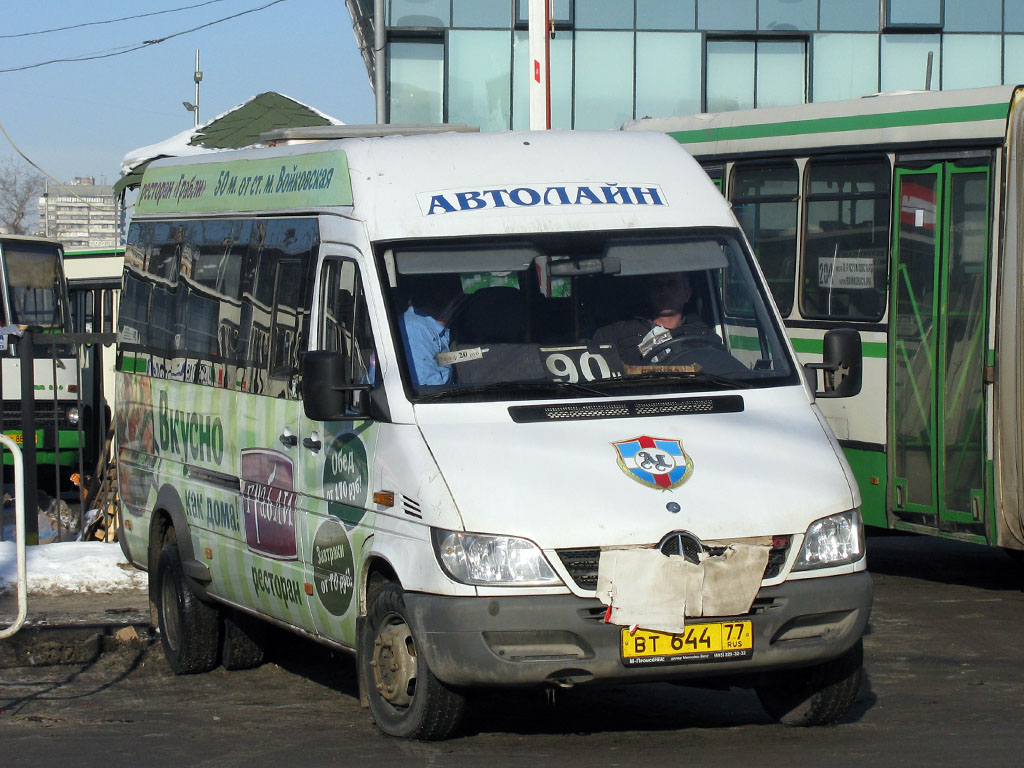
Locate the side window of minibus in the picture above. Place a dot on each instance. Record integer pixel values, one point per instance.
(344, 320)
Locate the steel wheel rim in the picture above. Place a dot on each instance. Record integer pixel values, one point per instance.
(169, 612)
(394, 662)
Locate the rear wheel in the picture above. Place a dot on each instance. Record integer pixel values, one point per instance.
(189, 628)
(818, 695)
(405, 698)
(243, 643)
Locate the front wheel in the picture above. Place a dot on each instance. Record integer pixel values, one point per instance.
(818, 695)
(189, 628)
(405, 698)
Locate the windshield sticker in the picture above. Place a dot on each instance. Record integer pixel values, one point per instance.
(657, 462)
(539, 195)
(459, 356)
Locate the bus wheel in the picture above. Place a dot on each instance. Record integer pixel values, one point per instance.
(405, 698)
(189, 628)
(818, 695)
(243, 642)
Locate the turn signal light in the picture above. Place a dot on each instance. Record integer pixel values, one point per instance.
(384, 498)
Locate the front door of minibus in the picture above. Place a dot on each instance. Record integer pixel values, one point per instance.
(937, 348)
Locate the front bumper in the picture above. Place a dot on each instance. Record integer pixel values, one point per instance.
(562, 639)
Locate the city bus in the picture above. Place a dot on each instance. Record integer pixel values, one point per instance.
(898, 215)
(34, 295)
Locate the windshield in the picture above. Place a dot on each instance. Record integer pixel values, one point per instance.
(34, 285)
(586, 314)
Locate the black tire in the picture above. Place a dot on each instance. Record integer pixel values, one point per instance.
(405, 698)
(818, 695)
(189, 628)
(243, 643)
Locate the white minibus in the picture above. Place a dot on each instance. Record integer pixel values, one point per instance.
(484, 410)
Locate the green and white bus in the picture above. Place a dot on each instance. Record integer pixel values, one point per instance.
(33, 295)
(898, 215)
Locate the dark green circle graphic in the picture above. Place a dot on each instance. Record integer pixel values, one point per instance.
(346, 478)
(333, 568)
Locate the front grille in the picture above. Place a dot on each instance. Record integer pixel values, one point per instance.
(626, 409)
(582, 563)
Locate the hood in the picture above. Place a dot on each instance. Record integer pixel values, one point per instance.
(769, 469)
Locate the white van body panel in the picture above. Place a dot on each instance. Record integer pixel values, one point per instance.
(540, 480)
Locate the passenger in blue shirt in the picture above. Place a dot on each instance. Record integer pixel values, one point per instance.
(424, 326)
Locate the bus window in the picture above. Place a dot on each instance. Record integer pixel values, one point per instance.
(764, 198)
(847, 239)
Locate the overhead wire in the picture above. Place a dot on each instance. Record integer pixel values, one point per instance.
(144, 44)
(68, 189)
(107, 21)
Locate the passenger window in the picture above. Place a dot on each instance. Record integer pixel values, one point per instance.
(846, 254)
(279, 294)
(765, 199)
(345, 321)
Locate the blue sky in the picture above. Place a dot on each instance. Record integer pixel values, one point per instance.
(80, 118)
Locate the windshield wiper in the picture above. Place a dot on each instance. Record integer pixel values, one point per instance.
(515, 386)
(702, 377)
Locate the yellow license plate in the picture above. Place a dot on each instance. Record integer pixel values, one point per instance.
(15, 436)
(724, 641)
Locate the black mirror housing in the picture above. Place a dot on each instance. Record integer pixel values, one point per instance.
(327, 395)
(842, 364)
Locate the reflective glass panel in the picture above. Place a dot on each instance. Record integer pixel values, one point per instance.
(482, 13)
(562, 11)
(970, 61)
(913, 377)
(561, 81)
(479, 78)
(764, 199)
(730, 75)
(781, 73)
(846, 249)
(417, 82)
(963, 412)
(726, 14)
(668, 76)
(849, 15)
(844, 67)
(604, 14)
(787, 14)
(1013, 59)
(1013, 18)
(657, 14)
(974, 16)
(604, 79)
(905, 62)
(914, 12)
(419, 13)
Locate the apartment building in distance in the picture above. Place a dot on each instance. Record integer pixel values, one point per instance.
(81, 214)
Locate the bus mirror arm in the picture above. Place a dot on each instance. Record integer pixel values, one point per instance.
(328, 395)
(842, 364)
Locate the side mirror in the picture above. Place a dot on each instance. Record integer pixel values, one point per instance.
(842, 364)
(327, 395)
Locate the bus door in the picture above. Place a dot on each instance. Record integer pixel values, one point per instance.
(937, 344)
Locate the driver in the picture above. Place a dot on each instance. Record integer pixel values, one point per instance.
(637, 338)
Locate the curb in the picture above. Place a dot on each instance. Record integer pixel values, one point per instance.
(35, 646)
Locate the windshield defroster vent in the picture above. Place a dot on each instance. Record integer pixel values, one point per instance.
(625, 409)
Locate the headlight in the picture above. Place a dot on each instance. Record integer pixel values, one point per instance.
(72, 416)
(477, 558)
(835, 540)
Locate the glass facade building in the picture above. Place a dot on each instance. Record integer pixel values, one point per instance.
(614, 60)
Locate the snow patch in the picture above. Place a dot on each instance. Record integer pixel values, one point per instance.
(70, 566)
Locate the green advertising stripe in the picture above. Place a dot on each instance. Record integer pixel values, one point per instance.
(876, 349)
(849, 123)
(305, 181)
